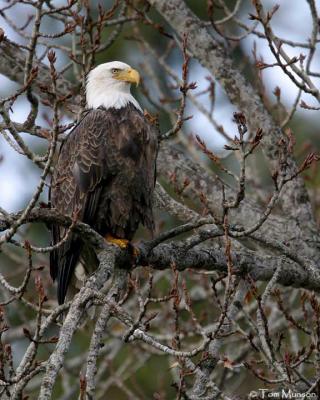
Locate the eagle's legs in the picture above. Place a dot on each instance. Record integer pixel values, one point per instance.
(122, 243)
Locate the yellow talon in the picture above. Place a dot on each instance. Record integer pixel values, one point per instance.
(135, 252)
(122, 243)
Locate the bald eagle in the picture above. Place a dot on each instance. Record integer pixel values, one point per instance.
(105, 173)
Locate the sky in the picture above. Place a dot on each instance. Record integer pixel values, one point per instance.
(19, 178)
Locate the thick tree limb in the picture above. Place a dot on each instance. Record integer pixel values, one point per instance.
(260, 267)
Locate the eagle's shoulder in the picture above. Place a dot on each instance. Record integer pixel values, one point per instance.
(141, 125)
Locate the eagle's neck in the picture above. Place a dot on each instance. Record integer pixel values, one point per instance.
(114, 96)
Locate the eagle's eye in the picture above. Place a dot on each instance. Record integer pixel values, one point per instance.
(115, 70)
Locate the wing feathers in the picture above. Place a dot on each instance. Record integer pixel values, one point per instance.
(106, 172)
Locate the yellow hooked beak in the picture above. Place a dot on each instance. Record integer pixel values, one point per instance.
(128, 75)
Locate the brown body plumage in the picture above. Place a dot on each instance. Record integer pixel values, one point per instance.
(106, 174)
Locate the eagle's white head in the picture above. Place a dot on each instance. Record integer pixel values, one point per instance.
(108, 85)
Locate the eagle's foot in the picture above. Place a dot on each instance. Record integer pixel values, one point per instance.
(122, 243)
(135, 252)
(125, 244)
